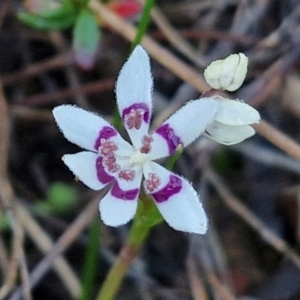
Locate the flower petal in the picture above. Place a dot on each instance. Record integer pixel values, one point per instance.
(183, 127)
(176, 199)
(134, 95)
(86, 129)
(234, 70)
(235, 112)
(85, 165)
(119, 205)
(228, 135)
(228, 73)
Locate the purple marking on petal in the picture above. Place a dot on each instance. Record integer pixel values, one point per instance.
(173, 187)
(102, 176)
(105, 133)
(135, 106)
(117, 192)
(169, 135)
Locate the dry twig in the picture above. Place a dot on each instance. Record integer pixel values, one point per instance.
(8, 205)
(241, 210)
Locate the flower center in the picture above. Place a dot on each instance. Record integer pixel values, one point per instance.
(138, 158)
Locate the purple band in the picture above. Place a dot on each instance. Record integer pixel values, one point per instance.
(117, 192)
(169, 135)
(173, 187)
(102, 176)
(105, 133)
(135, 106)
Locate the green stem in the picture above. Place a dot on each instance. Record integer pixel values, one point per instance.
(116, 274)
(91, 260)
(143, 24)
(146, 217)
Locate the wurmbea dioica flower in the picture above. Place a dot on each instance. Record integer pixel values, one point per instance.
(234, 117)
(112, 160)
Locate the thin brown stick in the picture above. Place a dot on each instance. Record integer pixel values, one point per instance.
(7, 202)
(31, 114)
(240, 209)
(61, 95)
(67, 238)
(44, 243)
(24, 275)
(278, 138)
(198, 289)
(174, 37)
(5, 5)
(40, 67)
(221, 290)
(71, 74)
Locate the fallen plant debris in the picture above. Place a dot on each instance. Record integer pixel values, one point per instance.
(249, 191)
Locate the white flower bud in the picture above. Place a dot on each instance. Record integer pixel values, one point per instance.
(227, 74)
(232, 121)
(235, 112)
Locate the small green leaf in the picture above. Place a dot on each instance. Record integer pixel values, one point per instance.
(84, 3)
(56, 19)
(4, 222)
(42, 23)
(173, 158)
(86, 39)
(61, 198)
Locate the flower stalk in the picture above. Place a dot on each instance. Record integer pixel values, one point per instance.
(147, 216)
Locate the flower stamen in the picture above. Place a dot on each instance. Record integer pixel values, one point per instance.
(107, 151)
(146, 144)
(151, 183)
(127, 175)
(134, 118)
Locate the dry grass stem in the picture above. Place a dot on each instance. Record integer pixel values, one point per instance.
(7, 202)
(44, 243)
(241, 210)
(67, 238)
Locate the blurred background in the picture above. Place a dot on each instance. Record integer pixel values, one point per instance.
(53, 244)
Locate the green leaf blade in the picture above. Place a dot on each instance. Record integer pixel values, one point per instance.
(86, 38)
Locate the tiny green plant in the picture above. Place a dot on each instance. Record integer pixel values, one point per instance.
(60, 197)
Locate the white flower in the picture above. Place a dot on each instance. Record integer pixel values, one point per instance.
(231, 125)
(111, 160)
(227, 74)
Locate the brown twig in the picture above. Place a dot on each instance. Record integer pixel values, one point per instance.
(44, 243)
(278, 138)
(240, 209)
(40, 67)
(265, 85)
(7, 202)
(5, 5)
(198, 289)
(195, 34)
(174, 37)
(67, 238)
(221, 290)
(71, 74)
(61, 95)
